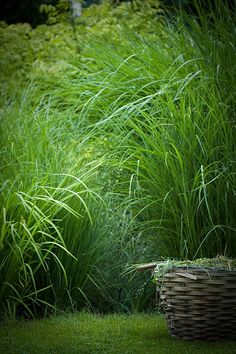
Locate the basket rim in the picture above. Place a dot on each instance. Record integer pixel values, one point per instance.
(201, 268)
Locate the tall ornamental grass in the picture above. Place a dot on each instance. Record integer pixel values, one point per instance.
(167, 107)
(61, 245)
(39, 197)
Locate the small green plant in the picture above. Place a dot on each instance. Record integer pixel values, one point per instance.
(56, 13)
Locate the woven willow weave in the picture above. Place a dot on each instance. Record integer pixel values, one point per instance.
(200, 304)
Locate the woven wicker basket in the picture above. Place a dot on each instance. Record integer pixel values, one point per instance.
(200, 304)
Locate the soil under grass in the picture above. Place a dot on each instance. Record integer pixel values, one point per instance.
(85, 333)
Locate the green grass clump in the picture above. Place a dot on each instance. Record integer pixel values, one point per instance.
(57, 230)
(168, 108)
(116, 334)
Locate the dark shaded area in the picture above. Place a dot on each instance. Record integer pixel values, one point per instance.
(15, 11)
(87, 3)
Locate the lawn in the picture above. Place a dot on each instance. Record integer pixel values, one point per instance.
(86, 333)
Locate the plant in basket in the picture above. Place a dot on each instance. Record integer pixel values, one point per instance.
(198, 297)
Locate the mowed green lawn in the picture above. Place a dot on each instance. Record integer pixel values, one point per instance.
(85, 333)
